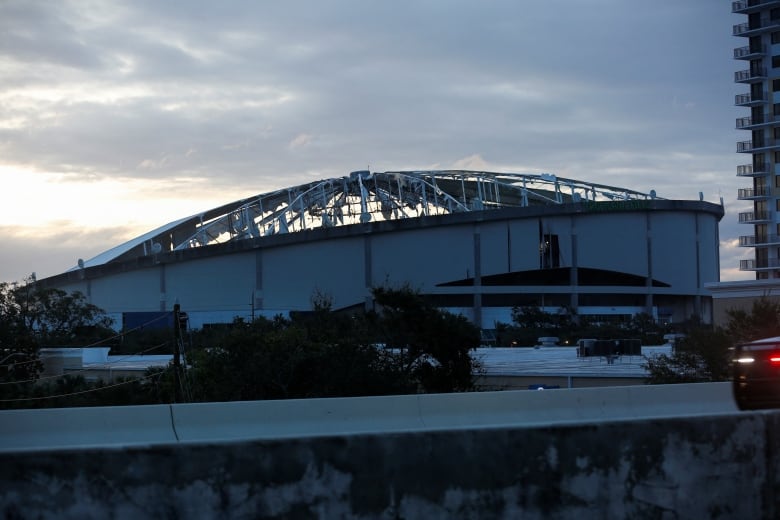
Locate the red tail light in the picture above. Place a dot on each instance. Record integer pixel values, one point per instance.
(774, 359)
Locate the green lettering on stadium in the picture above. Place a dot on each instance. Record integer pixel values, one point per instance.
(616, 205)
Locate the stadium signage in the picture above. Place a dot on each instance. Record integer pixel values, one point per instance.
(617, 205)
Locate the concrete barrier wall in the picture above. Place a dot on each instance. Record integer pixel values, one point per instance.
(720, 466)
(161, 424)
(537, 454)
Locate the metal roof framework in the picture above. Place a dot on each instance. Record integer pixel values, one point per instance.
(363, 197)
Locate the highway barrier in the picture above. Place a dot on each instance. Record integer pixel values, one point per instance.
(653, 451)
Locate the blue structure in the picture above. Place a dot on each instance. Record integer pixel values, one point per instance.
(476, 243)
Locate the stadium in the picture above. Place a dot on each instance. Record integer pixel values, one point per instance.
(475, 243)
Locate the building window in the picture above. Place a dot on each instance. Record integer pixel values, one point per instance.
(761, 231)
(776, 37)
(777, 157)
(775, 62)
(549, 252)
(759, 163)
(774, 14)
(777, 181)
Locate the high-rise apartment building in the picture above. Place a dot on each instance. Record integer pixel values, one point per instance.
(761, 32)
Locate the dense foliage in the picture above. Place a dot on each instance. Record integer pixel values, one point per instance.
(531, 323)
(31, 316)
(405, 346)
(705, 353)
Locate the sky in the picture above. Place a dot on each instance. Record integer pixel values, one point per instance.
(118, 117)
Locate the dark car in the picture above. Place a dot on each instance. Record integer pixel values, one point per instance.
(757, 374)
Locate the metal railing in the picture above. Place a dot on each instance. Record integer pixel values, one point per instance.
(746, 99)
(752, 240)
(741, 5)
(753, 265)
(753, 216)
(748, 170)
(747, 50)
(765, 24)
(751, 193)
(745, 122)
(750, 74)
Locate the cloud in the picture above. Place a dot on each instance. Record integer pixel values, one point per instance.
(300, 141)
(54, 249)
(472, 162)
(240, 97)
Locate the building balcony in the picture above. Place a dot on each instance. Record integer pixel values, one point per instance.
(750, 75)
(753, 217)
(749, 123)
(748, 29)
(759, 265)
(762, 192)
(748, 53)
(746, 100)
(752, 6)
(748, 170)
(753, 241)
(751, 147)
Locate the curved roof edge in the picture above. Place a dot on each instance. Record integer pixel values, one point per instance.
(143, 262)
(362, 197)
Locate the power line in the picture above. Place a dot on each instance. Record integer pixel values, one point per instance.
(79, 371)
(98, 342)
(129, 381)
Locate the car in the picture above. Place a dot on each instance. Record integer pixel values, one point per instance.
(756, 380)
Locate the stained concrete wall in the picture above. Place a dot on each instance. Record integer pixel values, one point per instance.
(709, 467)
(588, 453)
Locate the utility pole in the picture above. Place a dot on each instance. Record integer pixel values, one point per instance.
(177, 353)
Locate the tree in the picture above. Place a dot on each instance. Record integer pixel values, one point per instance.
(319, 355)
(31, 316)
(434, 345)
(405, 347)
(763, 321)
(55, 316)
(704, 355)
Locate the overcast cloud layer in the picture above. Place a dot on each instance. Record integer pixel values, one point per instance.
(118, 117)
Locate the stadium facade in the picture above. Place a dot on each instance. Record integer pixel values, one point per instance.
(476, 243)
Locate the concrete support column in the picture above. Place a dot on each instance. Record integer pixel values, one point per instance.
(649, 279)
(574, 281)
(257, 293)
(163, 295)
(477, 277)
(368, 272)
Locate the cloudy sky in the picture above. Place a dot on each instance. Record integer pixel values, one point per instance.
(117, 117)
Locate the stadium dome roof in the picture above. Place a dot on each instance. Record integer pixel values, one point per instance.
(362, 197)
